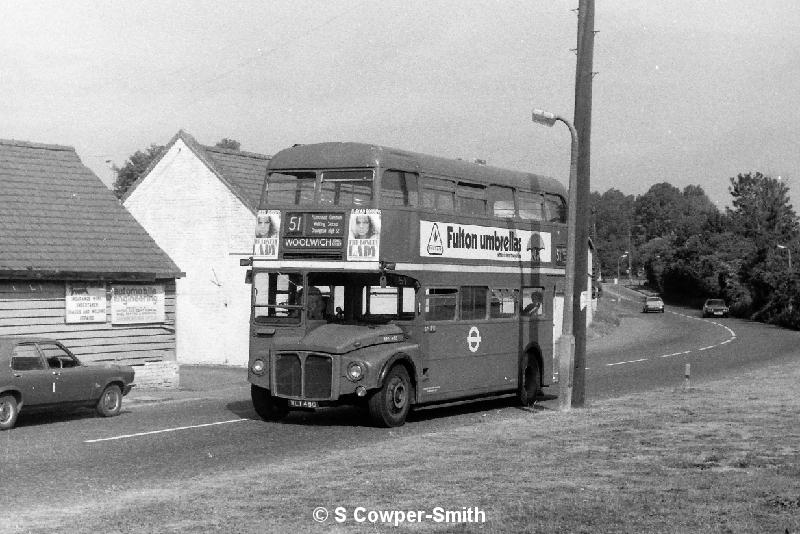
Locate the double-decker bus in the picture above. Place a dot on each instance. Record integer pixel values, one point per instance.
(388, 278)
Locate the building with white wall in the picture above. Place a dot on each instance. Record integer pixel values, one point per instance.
(199, 204)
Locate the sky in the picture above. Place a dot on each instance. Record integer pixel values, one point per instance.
(686, 91)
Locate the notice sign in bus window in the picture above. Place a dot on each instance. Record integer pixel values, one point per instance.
(364, 238)
(472, 242)
(268, 225)
(85, 302)
(134, 304)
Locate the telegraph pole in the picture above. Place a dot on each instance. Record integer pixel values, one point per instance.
(583, 125)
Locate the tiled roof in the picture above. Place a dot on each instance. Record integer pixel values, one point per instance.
(242, 172)
(58, 220)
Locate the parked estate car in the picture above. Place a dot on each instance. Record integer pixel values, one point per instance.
(42, 374)
(715, 308)
(653, 304)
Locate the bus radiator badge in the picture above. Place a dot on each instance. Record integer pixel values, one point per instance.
(435, 245)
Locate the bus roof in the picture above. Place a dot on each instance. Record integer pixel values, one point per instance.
(359, 155)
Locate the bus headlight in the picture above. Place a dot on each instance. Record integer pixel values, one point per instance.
(355, 371)
(258, 367)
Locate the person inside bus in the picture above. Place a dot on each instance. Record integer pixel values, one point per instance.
(362, 227)
(535, 306)
(315, 306)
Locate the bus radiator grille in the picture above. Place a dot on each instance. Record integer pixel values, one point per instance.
(303, 375)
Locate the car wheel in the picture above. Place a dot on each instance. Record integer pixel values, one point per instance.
(389, 406)
(267, 407)
(530, 382)
(110, 402)
(9, 410)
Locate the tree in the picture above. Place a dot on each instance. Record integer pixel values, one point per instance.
(134, 167)
(231, 144)
(761, 209)
(612, 214)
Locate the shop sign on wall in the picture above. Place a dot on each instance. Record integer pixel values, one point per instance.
(134, 304)
(85, 302)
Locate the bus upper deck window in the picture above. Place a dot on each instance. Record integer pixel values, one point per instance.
(502, 201)
(555, 208)
(438, 194)
(346, 188)
(531, 205)
(292, 188)
(471, 199)
(399, 188)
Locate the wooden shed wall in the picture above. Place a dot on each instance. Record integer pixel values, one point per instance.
(35, 308)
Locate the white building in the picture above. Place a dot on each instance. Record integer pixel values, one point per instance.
(199, 204)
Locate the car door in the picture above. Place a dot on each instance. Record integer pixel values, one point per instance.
(73, 381)
(30, 375)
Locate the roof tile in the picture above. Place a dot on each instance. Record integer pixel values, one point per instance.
(56, 215)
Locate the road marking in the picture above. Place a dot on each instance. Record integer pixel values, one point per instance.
(731, 332)
(138, 434)
(629, 361)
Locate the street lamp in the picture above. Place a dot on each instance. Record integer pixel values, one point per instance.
(784, 247)
(618, 260)
(566, 343)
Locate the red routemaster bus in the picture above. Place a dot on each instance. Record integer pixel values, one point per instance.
(392, 279)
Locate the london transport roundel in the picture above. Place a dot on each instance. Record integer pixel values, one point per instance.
(473, 339)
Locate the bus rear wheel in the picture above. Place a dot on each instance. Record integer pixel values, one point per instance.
(530, 381)
(269, 408)
(389, 406)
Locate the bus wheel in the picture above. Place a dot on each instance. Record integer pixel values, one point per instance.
(389, 405)
(269, 408)
(530, 382)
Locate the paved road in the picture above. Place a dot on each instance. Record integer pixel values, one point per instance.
(201, 432)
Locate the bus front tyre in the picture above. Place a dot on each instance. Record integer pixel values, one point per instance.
(269, 408)
(530, 383)
(389, 406)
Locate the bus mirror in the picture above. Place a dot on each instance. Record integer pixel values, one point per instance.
(383, 281)
(248, 276)
(245, 262)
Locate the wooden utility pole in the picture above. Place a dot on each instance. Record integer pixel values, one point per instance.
(583, 125)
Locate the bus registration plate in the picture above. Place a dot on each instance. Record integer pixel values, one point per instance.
(302, 404)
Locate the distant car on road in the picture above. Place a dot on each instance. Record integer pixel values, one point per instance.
(42, 374)
(715, 308)
(653, 304)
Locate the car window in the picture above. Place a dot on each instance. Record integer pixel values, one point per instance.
(57, 357)
(25, 357)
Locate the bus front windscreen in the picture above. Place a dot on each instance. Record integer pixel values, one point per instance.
(346, 188)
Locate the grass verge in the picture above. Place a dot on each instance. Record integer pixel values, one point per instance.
(720, 457)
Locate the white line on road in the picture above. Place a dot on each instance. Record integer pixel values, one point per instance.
(629, 361)
(163, 431)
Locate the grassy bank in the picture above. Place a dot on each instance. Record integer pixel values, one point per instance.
(720, 457)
